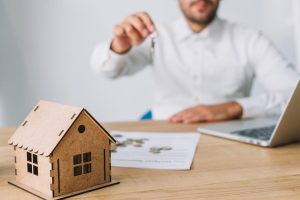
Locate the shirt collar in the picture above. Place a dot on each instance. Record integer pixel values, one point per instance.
(183, 31)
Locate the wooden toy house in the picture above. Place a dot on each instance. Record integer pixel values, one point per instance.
(61, 151)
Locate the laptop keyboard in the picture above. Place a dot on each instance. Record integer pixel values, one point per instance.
(263, 133)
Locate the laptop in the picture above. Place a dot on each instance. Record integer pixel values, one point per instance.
(264, 131)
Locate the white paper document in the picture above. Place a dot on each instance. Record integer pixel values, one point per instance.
(153, 150)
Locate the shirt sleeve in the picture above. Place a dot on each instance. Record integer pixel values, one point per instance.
(113, 65)
(274, 73)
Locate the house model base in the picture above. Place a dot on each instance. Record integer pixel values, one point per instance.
(43, 196)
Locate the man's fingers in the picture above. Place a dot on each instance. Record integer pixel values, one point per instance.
(133, 34)
(119, 31)
(188, 116)
(138, 24)
(148, 21)
(180, 117)
(194, 119)
(132, 31)
(141, 22)
(207, 113)
(175, 119)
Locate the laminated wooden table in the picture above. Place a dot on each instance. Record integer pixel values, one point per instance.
(221, 169)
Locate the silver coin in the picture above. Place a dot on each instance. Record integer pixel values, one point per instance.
(166, 148)
(155, 151)
(137, 145)
(121, 144)
(113, 147)
(117, 135)
(139, 141)
(128, 142)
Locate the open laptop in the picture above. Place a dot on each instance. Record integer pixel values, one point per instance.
(267, 131)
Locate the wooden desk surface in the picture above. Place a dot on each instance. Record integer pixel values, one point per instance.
(221, 169)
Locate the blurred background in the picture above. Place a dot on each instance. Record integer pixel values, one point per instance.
(45, 49)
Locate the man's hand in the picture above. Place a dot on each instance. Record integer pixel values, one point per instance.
(208, 113)
(132, 31)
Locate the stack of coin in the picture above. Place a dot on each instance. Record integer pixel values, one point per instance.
(157, 150)
(129, 141)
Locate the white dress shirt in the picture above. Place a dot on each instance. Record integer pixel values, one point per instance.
(216, 65)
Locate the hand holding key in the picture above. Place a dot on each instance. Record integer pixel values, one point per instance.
(132, 31)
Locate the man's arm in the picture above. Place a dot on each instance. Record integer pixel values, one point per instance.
(274, 73)
(271, 70)
(128, 52)
(208, 113)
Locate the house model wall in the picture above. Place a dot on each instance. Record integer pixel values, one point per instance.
(61, 151)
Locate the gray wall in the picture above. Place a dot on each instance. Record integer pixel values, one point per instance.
(45, 48)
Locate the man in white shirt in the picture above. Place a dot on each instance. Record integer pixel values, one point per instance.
(203, 66)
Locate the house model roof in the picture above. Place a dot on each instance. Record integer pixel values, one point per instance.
(45, 126)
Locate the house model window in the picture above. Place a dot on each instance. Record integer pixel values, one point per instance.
(32, 162)
(82, 163)
(81, 129)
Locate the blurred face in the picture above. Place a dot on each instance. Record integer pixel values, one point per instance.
(200, 12)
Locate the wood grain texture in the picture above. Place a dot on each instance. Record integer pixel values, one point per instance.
(42, 181)
(222, 169)
(47, 120)
(93, 140)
